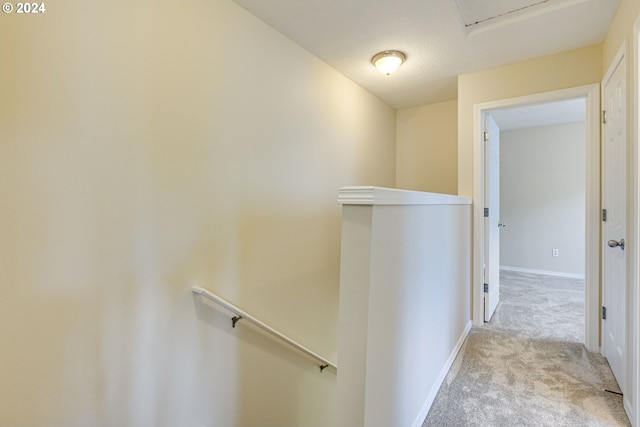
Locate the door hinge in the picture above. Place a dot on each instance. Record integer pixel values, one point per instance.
(604, 313)
(604, 117)
(486, 212)
(485, 136)
(604, 215)
(486, 288)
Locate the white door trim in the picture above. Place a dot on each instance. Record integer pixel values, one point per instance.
(592, 233)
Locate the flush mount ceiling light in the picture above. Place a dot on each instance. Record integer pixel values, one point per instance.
(388, 61)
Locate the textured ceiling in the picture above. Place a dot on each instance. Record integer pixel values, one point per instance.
(547, 114)
(477, 12)
(439, 46)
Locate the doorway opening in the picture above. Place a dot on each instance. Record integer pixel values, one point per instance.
(536, 234)
(591, 98)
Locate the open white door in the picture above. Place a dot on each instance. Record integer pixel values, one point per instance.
(614, 203)
(492, 217)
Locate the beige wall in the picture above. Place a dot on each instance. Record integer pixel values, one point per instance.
(148, 147)
(427, 148)
(621, 30)
(569, 69)
(542, 198)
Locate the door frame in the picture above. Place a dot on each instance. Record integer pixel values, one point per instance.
(591, 94)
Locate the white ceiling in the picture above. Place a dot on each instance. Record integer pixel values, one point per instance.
(547, 114)
(440, 37)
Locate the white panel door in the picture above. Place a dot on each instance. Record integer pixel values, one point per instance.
(614, 228)
(491, 229)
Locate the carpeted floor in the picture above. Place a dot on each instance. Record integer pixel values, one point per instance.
(528, 366)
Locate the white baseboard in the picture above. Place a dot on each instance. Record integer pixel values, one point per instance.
(545, 272)
(628, 408)
(440, 379)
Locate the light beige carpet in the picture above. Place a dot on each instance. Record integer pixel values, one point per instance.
(528, 366)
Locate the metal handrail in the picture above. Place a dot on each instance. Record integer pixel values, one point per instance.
(243, 315)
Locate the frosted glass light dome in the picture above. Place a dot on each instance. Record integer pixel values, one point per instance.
(388, 61)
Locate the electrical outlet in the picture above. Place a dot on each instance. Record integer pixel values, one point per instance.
(555, 252)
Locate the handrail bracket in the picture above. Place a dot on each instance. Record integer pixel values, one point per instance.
(234, 320)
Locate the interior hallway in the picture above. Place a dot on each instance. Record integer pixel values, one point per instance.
(528, 366)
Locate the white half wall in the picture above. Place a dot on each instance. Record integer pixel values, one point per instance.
(404, 302)
(542, 191)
